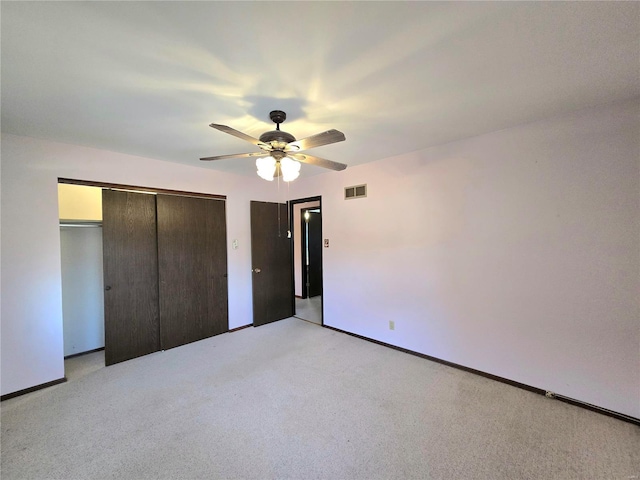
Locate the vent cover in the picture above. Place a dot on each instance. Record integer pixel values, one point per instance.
(357, 191)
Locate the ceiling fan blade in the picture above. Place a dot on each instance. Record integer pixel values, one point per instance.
(243, 136)
(236, 155)
(320, 162)
(324, 138)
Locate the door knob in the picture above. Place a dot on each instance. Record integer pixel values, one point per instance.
(256, 270)
(108, 287)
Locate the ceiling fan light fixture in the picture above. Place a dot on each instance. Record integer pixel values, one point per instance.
(277, 144)
(290, 169)
(266, 168)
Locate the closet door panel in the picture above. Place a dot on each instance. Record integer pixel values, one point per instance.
(192, 265)
(130, 275)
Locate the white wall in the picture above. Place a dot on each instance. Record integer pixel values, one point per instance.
(515, 253)
(82, 288)
(297, 244)
(31, 310)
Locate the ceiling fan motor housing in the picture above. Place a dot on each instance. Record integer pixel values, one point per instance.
(277, 138)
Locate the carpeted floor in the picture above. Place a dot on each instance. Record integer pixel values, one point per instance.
(294, 400)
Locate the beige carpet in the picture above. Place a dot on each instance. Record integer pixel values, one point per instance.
(294, 400)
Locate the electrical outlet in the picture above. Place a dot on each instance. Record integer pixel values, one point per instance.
(549, 394)
(392, 325)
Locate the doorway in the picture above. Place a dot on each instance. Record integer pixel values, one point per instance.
(306, 229)
(80, 216)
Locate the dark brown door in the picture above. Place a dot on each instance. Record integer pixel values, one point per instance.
(271, 263)
(131, 319)
(192, 265)
(314, 246)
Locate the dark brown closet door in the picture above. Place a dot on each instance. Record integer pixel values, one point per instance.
(131, 320)
(271, 260)
(192, 265)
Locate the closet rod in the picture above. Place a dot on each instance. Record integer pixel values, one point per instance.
(81, 224)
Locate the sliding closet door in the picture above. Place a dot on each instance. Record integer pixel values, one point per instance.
(130, 275)
(192, 260)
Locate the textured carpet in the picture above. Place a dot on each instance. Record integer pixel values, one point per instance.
(294, 400)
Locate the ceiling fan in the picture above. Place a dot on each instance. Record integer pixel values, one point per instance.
(279, 150)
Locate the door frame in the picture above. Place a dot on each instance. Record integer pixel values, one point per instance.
(294, 228)
(304, 244)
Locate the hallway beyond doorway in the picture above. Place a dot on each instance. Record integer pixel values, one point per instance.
(309, 309)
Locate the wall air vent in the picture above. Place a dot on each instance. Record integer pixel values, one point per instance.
(357, 191)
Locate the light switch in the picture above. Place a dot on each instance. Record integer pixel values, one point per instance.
(235, 243)
(326, 243)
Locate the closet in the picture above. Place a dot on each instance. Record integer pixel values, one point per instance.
(165, 272)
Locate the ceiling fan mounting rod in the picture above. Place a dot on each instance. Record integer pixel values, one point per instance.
(277, 117)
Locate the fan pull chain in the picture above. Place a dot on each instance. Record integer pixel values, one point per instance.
(288, 211)
(279, 227)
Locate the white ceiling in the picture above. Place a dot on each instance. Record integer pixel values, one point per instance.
(146, 78)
